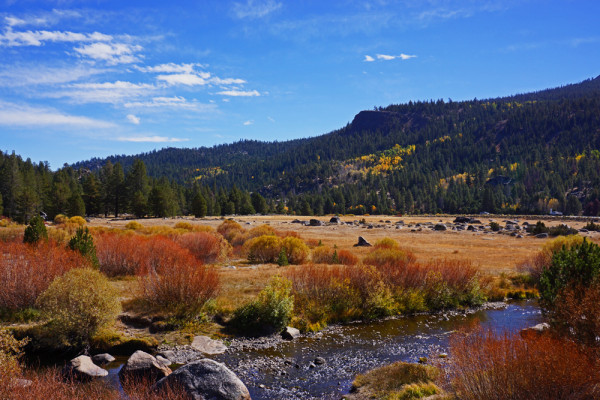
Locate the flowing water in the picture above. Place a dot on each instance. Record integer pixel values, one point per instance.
(287, 370)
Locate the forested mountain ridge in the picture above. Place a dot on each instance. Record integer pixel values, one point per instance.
(527, 153)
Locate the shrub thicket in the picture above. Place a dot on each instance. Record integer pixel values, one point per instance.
(489, 366)
(26, 271)
(263, 249)
(270, 312)
(206, 247)
(78, 304)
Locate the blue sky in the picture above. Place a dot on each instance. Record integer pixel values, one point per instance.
(80, 79)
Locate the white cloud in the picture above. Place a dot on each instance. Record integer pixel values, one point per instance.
(227, 81)
(369, 58)
(133, 119)
(239, 93)
(13, 21)
(271, 119)
(387, 57)
(171, 68)
(255, 9)
(106, 92)
(248, 123)
(111, 53)
(172, 102)
(151, 139)
(24, 75)
(185, 79)
(11, 38)
(25, 116)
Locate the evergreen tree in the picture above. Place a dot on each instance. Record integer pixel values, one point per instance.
(259, 203)
(76, 205)
(139, 205)
(35, 231)
(92, 195)
(199, 207)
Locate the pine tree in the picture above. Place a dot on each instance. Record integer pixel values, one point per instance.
(199, 207)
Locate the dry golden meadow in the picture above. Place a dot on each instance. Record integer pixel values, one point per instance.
(492, 253)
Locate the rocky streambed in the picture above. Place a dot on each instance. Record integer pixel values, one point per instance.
(323, 365)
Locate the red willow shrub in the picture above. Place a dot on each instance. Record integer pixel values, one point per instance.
(26, 271)
(488, 366)
(206, 247)
(576, 313)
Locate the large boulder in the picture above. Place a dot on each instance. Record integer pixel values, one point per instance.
(206, 379)
(462, 220)
(315, 222)
(440, 227)
(362, 242)
(143, 366)
(82, 368)
(335, 220)
(206, 345)
(290, 333)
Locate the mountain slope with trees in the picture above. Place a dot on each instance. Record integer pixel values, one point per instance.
(527, 153)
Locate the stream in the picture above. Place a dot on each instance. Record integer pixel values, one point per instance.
(275, 369)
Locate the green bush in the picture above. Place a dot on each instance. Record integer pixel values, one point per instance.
(562, 230)
(35, 231)
(494, 226)
(78, 304)
(538, 228)
(270, 312)
(83, 242)
(591, 226)
(569, 267)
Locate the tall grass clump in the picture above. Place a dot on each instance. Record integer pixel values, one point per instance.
(489, 366)
(26, 271)
(50, 383)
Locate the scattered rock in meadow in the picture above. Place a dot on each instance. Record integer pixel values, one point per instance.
(82, 368)
(102, 359)
(208, 346)
(143, 366)
(541, 235)
(206, 379)
(335, 220)
(362, 242)
(440, 227)
(315, 222)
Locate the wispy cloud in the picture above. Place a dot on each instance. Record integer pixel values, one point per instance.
(248, 123)
(10, 38)
(387, 57)
(368, 59)
(151, 139)
(171, 68)
(14, 115)
(111, 53)
(26, 75)
(106, 92)
(172, 102)
(185, 79)
(255, 9)
(239, 93)
(133, 119)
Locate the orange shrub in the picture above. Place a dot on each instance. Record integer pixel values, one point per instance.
(577, 313)
(386, 243)
(296, 250)
(229, 229)
(206, 247)
(346, 257)
(322, 255)
(119, 254)
(183, 286)
(261, 230)
(263, 249)
(26, 271)
(381, 256)
(486, 366)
